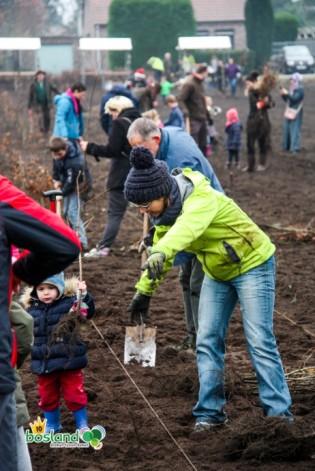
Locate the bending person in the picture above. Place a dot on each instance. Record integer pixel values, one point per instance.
(239, 264)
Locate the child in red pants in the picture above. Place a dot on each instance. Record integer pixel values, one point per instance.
(58, 363)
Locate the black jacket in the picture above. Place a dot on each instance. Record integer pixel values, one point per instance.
(117, 149)
(52, 247)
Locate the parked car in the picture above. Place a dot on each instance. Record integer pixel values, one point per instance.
(296, 59)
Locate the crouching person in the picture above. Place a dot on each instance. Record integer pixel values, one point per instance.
(58, 356)
(239, 265)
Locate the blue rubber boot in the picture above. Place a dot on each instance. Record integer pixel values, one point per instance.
(80, 417)
(53, 420)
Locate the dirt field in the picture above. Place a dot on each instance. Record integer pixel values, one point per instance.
(135, 440)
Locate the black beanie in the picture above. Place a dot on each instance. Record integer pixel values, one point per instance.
(148, 178)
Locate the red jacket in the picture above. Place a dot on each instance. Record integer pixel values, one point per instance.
(52, 246)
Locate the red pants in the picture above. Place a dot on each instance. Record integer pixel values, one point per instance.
(68, 384)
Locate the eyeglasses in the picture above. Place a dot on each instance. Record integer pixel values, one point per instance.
(143, 205)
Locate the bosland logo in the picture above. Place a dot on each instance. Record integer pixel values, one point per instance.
(83, 438)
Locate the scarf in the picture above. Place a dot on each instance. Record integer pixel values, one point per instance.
(169, 216)
(75, 102)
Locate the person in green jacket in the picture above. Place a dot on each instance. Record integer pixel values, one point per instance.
(239, 265)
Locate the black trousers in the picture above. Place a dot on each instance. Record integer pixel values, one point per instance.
(116, 208)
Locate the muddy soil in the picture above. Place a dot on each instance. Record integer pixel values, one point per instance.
(135, 440)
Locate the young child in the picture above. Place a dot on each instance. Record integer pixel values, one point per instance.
(233, 129)
(176, 117)
(154, 116)
(68, 162)
(166, 87)
(59, 361)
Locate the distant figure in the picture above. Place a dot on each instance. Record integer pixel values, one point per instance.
(232, 72)
(191, 99)
(233, 129)
(154, 116)
(69, 118)
(166, 87)
(188, 63)
(293, 115)
(176, 117)
(40, 100)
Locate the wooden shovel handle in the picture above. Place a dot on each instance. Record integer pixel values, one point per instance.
(145, 230)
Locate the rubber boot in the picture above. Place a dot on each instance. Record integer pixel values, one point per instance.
(80, 417)
(53, 420)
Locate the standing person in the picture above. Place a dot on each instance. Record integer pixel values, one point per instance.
(58, 362)
(232, 72)
(166, 88)
(293, 115)
(123, 113)
(69, 118)
(239, 265)
(176, 117)
(68, 167)
(191, 99)
(220, 76)
(258, 126)
(233, 129)
(25, 224)
(178, 150)
(40, 100)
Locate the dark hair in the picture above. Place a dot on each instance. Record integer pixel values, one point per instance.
(56, 144)
(40, 72)
(78, 87)
(201, 69)
(253, 76)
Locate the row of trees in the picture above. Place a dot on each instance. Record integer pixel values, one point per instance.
(154, 26)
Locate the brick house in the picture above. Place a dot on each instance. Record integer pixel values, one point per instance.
(213, 17)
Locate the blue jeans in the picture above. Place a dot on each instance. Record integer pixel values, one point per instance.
(292, 133)
(233, 86)
(71, 212)
(255, 291)
(8, 433)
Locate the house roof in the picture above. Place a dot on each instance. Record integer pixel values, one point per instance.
(97, 12)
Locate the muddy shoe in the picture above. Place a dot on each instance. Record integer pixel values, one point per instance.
(206, 426)
(189, 343)
(97, 252)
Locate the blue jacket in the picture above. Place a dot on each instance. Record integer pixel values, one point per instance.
(62, 355)
(68, 123)
(179, 150)
(105, 118)
(234, 132)
(176, 118)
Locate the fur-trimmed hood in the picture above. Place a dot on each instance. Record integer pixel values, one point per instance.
(71, 286)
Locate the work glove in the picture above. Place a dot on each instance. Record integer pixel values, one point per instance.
(154, 265)
(139, 308)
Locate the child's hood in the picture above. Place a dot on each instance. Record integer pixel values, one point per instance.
(70, 289)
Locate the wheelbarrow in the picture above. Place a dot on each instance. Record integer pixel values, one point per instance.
(140, 346)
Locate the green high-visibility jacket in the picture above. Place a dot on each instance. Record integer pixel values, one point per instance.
(211, 226)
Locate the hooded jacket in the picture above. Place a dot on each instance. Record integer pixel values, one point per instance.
(66, 170)
(225, 240)
(68, 123)
(105, 118)
(117, 149)
(24, 223)
(61, 355)
(179, 150)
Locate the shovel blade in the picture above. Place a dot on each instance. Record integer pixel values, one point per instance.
(140, 346)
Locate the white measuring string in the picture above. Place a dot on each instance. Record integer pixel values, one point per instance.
(144, 397)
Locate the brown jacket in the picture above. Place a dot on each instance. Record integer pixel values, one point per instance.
(191, 99)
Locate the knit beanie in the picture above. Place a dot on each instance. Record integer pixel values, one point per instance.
(148, 178)
(58, 281)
